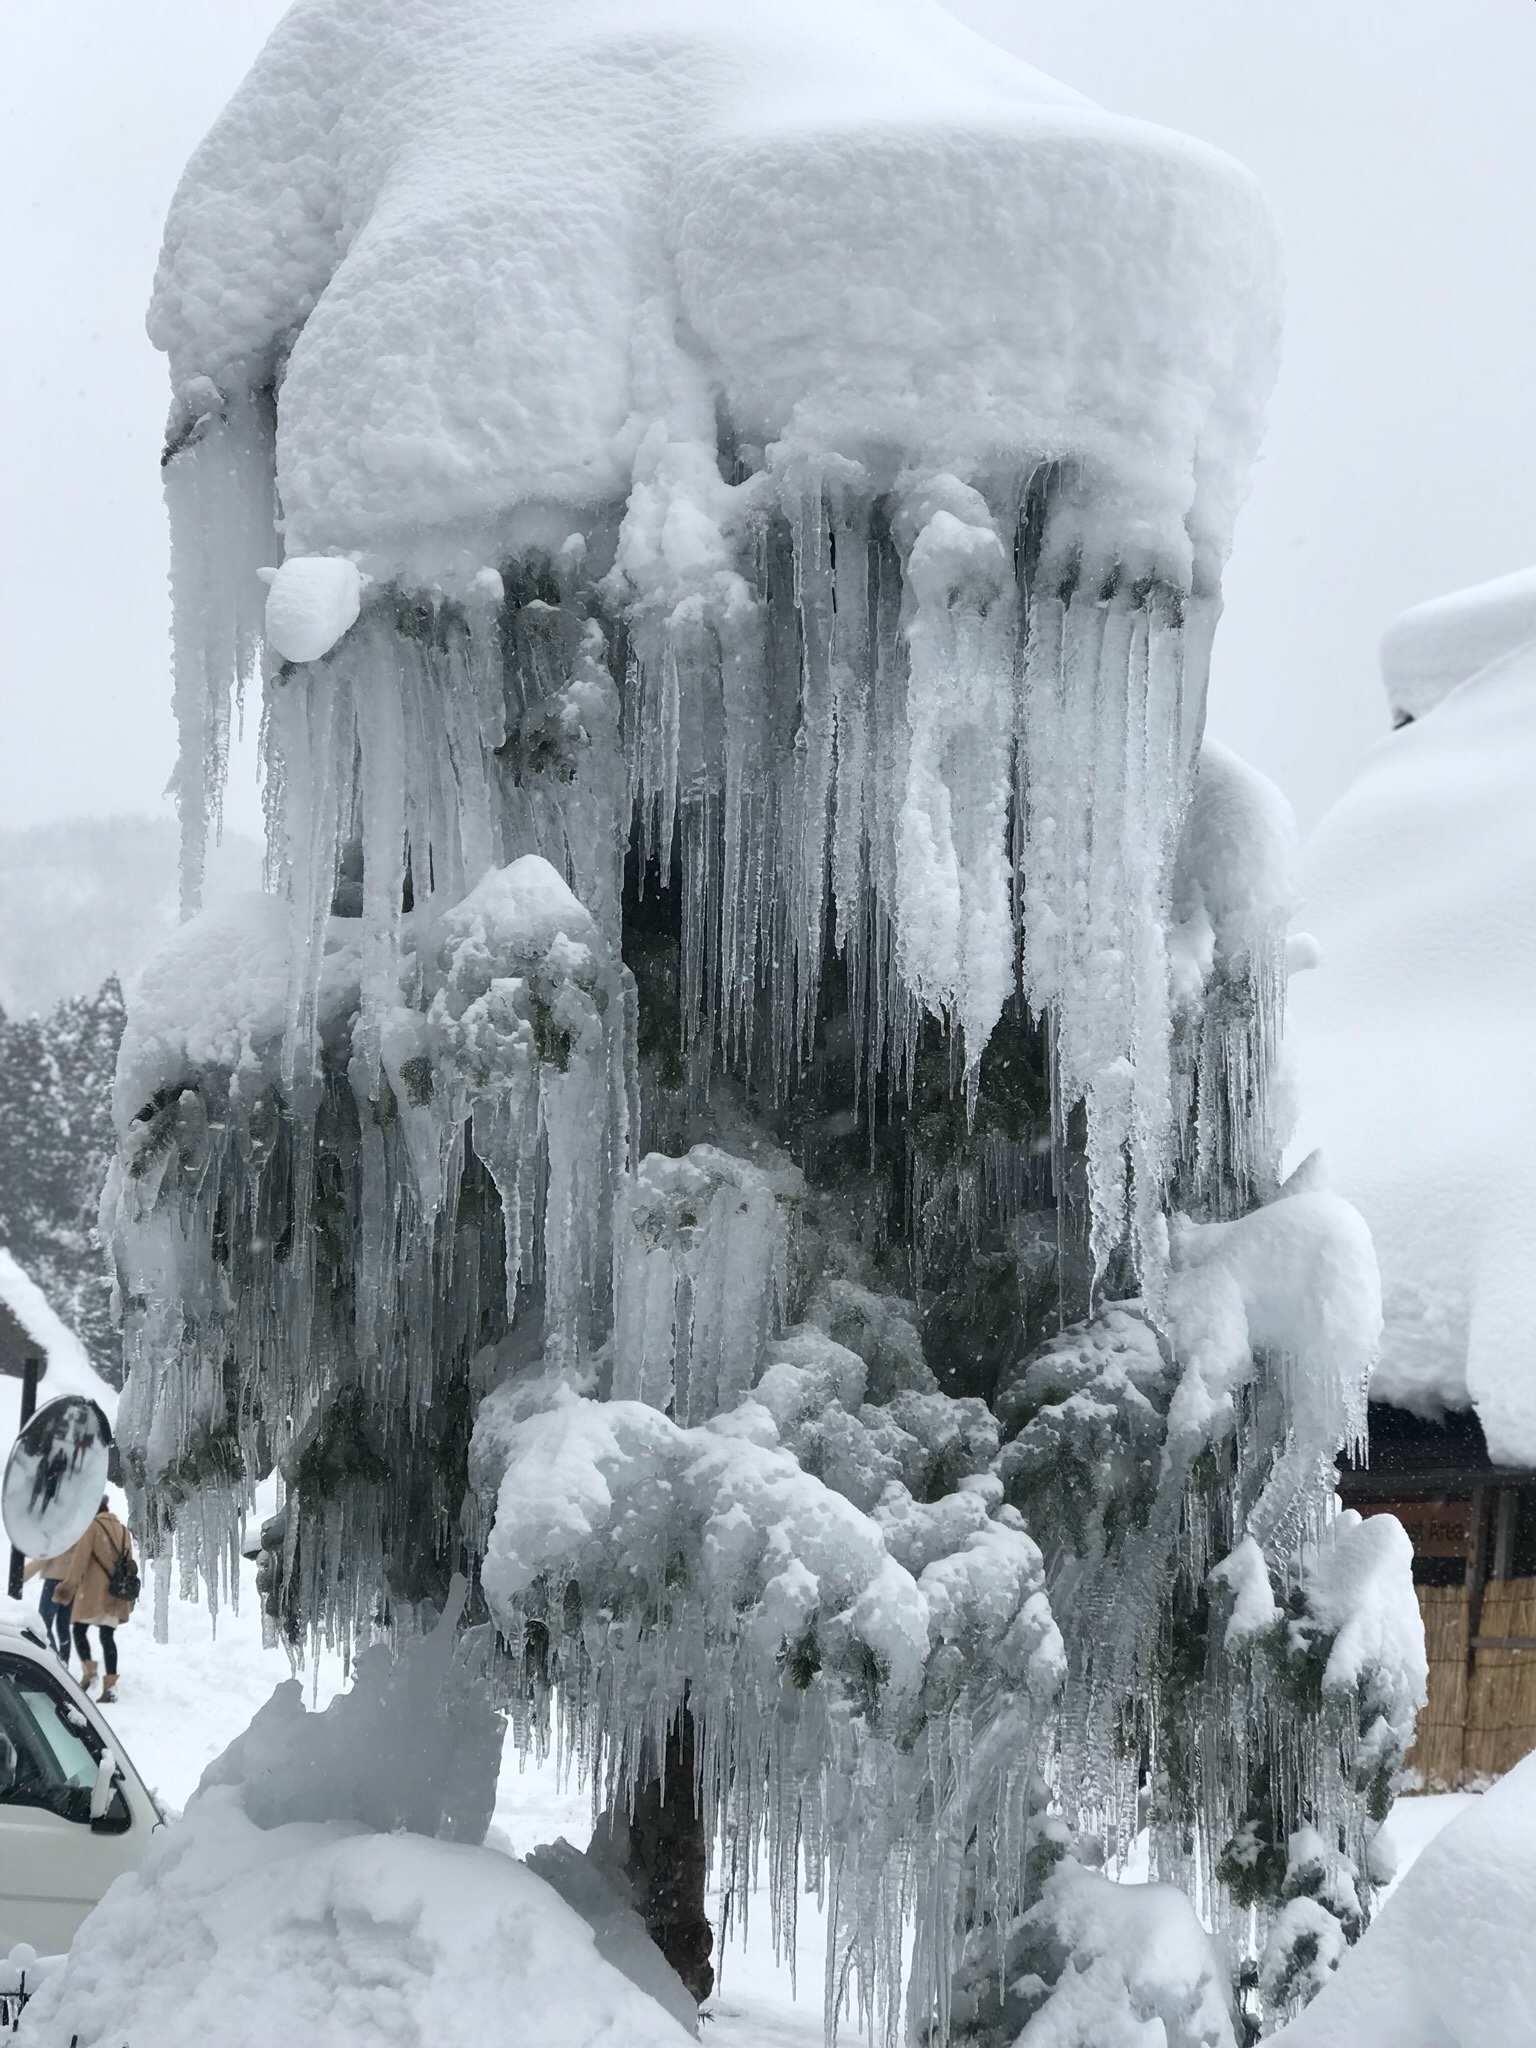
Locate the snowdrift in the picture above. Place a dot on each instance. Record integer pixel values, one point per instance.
(331, 1935)
(1449, 1963)
(1435, 646)
(67, 1368)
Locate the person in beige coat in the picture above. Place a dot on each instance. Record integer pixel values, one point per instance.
(85, 1586)
(53, 1611)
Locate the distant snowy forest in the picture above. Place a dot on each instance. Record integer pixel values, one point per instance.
(56, 1142)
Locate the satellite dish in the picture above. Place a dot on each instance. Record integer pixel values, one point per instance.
(55, 1476)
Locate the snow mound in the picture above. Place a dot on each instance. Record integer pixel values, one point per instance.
(1435, 646)
(1360, 1588)
(1448, 1963)
(311, 601)
(1295, 1280)
(509, 921)
(603, 1898)
(1235, 873)
(1135, 1966)
(475, 230)
(1233, 893)
(1412, 1043)
(325, 1934)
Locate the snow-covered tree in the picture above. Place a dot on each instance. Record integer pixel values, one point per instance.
(747, 1120)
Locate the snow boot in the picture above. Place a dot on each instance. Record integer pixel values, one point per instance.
(108, 1689)
(87, 1675)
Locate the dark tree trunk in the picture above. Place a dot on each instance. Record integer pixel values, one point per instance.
(666, 1862)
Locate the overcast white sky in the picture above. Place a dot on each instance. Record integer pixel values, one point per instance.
(1395, 138)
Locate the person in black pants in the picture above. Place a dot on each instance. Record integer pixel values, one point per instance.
(108, 1652)
(100, 1561)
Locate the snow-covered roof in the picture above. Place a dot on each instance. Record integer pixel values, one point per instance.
(68, 1369)
(502, 240)
(1415, 1039)
(1432, 648)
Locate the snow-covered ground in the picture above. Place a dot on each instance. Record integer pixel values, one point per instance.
(1412, 1825)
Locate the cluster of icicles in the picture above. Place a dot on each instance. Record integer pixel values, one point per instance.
(943, 733)
(953, 731)
(927, 1837)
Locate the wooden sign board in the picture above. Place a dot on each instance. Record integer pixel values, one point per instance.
(1436, 1528)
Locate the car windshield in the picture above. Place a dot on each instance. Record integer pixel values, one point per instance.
(56, 1750)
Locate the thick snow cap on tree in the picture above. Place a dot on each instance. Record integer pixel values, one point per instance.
(1413, 1040)
(485, 247)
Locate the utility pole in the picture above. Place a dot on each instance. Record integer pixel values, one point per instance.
(31, 1373)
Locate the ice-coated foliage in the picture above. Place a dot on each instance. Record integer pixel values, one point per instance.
(311, 1260)
(747, 1118)
(879, 1670)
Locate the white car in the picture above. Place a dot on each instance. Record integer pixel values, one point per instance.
(74, 1813)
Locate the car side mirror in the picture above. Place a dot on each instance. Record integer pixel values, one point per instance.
(108, 1777)
(8, 1766)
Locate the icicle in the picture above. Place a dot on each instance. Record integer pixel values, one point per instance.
(311, 725)
(745, 817)
(1106, 763)
(702, 1278)
(852, 677)
(808, 810)
(221, 498)
(954, 917)
(381, 807)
